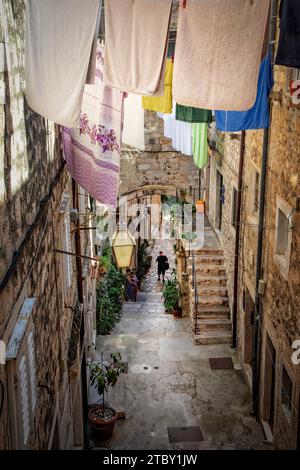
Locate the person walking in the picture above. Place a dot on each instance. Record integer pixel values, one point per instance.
(162, 265)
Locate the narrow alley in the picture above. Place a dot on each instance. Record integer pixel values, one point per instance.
(170, 383)
(150, 229)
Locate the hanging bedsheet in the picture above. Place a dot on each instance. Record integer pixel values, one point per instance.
(92, 152)
(57, 54)
(288, 53)
(134, 122)
(258, 117)
(179, 132)
(136, 34)
(218, 52)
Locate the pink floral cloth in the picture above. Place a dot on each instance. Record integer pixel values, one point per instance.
(92, 152)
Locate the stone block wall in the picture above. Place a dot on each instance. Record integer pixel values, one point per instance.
(33, 183)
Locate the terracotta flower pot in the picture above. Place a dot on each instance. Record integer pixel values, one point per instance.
(102, 427)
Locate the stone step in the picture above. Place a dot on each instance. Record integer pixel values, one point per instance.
(209, 269)
(219, 291)
(211, 300)
(209, 259)
(204, 312)
(211, 281)
(209, 251)
(213, 337)
(213, 324)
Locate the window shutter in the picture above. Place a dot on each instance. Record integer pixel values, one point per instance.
(32, 369)
(24, 395)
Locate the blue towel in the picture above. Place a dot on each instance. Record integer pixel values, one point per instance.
(257, 117)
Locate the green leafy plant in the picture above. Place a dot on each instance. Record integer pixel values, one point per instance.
(144, 260)
(104, 375)
(110, 295)
(171, 293)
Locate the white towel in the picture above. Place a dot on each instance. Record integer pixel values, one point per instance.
(59, 38)
(134, 122)
(178, 131)
(136, 33)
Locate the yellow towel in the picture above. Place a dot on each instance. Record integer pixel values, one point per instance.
(162, 104)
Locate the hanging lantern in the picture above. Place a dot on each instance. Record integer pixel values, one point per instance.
(122, 244)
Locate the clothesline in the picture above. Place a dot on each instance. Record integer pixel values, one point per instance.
(218, 65)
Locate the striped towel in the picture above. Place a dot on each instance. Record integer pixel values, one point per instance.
(92, 152)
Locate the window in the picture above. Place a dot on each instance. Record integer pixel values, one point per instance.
(234, 207)
(22, 376)
(286, 392)
(283, 236)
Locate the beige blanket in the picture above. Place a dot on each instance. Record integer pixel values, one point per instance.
(136, 34)
(218, 51)
(59, 38)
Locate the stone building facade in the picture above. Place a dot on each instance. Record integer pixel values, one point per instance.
(279, 318)
(47, 298)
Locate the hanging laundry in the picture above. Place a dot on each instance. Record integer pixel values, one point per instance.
(136, 34)
(258, 117)
(190, 114)
(134, 122)
(162, 104)
(217, 53)
(288, 52)
(57, 53)
(200, 144)
(91, 73)
(179, 132)
(92, 152)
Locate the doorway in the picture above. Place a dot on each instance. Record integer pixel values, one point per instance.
(269, 386)
(219, 200)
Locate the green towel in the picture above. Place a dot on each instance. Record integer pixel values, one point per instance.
(189, 114)
(200, 145)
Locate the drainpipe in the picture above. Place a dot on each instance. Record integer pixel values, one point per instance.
(256, 350)
(82, 329)
(237, 240)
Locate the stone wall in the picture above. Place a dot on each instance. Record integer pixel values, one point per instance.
(280, 303)
(159, 164)
(33, 185)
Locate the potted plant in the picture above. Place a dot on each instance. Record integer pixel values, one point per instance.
(104, 375)
(171, 295)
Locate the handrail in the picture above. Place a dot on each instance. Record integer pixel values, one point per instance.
(195, 290)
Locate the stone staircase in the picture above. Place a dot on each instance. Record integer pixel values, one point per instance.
(211, 318)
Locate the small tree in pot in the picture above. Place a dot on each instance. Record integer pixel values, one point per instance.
(104, 375)
(171, 295)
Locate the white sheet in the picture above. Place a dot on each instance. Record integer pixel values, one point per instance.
(59, 38)
(134, 122)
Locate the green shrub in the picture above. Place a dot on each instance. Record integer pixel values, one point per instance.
(110, 294)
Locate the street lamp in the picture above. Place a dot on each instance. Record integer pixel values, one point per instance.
(122, 245)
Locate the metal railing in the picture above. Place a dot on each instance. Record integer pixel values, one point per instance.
(195, 292)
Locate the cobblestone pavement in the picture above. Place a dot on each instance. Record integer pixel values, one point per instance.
(170, 383)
